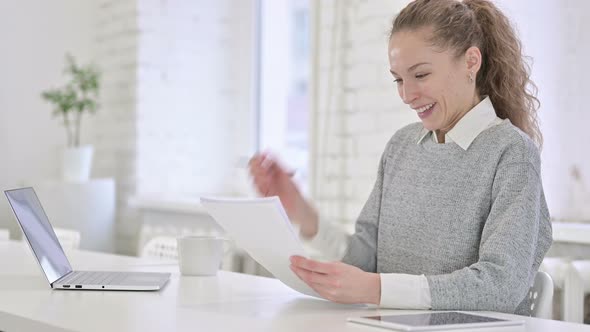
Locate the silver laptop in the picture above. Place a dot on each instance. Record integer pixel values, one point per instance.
(53, 261)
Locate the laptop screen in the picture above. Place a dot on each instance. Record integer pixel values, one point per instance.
(39, 233)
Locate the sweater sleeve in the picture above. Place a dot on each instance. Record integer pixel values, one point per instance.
(362, 247)
(515, 234)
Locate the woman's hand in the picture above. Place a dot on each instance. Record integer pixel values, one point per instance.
(338, 282)
(271, 179)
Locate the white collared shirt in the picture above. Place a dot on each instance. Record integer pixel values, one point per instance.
(398, 290)
(473, 123)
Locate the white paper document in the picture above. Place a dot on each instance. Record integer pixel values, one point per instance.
(261, 227)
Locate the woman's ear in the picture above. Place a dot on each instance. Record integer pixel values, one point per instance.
(473, 59)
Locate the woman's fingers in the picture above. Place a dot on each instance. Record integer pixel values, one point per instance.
(268, 175)
(312, 265)
(315, 278)
(261, 168)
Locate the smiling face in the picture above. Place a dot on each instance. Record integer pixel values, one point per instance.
(433, 82)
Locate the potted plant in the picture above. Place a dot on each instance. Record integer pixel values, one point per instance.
(77, 97)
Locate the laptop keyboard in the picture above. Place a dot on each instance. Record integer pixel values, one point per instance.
(95, 278)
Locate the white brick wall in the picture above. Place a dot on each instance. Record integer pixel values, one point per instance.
(176, 102)
(193, 104)
(114, 125)
(357, 107)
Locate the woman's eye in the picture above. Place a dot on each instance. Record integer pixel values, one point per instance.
(419, 76)
(398, 80)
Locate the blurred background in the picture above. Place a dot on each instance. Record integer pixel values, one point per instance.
(190, 89)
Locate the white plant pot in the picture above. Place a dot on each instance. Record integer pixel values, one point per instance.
(76, 163)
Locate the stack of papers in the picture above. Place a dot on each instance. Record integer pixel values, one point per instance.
(261, 227)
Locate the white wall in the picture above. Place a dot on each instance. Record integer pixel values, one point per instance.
(567, 124)
(356, 105)
(35, 36)
(176, 104)
(115, 135)
(194, 103)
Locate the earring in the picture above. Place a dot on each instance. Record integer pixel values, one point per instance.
(471, 77)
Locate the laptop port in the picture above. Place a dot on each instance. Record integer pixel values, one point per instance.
(78, 286)
(66, 286)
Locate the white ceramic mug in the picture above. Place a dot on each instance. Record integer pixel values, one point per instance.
(200, 255)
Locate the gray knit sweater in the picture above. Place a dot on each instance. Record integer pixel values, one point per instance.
(474, 221)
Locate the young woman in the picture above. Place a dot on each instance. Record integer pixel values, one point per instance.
(457, 218)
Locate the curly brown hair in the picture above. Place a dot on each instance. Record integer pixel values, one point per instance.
(504, 75)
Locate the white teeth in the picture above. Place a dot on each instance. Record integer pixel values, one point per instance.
(424, 108)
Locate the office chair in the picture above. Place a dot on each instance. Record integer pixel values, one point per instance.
(560, 271)
(541, 296)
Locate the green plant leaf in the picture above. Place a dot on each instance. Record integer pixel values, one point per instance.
(79, 94)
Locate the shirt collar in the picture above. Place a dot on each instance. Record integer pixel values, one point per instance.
(470, 125)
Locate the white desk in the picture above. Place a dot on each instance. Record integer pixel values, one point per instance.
(228, 302)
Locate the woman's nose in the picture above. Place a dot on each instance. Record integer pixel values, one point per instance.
(409, 93)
